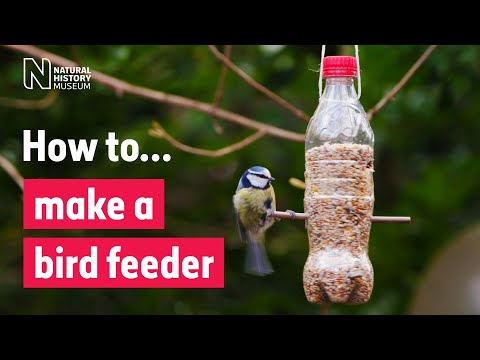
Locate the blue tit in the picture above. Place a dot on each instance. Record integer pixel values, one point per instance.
(254, 199)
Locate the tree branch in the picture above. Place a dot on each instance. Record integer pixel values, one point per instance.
(121, 87)
(23, 104)
(11, 171)
(247, 79)
(219, 92)
(159, 132)
(395, 90)
(299, 184)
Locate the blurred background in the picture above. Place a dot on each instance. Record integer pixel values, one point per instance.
(426, 161)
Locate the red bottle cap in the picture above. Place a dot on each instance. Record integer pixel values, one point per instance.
(337, 66)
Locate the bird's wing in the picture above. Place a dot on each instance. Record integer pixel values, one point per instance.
(241, 228)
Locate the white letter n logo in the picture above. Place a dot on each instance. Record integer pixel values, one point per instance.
(31, 73)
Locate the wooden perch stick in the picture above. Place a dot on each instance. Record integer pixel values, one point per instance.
(391, 219)
(378, 219)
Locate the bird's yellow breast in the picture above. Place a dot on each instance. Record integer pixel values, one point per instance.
(252, 204)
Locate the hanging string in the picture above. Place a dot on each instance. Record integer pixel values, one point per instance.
(359, 82)
(320, 80)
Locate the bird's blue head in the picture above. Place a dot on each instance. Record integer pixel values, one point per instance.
(257, 177)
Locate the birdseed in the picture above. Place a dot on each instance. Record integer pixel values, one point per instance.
(339, 200)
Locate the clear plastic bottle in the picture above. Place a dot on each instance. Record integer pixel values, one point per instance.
(339, 192)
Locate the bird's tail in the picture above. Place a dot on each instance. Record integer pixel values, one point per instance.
(257, 262)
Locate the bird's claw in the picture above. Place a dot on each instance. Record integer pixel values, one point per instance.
(270, 212)
(292, 213)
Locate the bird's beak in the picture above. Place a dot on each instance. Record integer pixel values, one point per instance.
(272, 178)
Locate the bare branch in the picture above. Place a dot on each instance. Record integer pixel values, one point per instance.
(395, 90)
(245, 77)
(23, 104)
(219, 92)
(11, 171)
(299, 184)
(121, 87)
(159, 132)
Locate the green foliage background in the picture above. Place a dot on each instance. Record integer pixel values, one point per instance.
(426, 161)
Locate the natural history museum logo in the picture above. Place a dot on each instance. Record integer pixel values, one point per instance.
(42, 75)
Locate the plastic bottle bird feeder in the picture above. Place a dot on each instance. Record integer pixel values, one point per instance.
(339, 191)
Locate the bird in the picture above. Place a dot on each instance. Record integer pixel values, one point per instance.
(254, 204)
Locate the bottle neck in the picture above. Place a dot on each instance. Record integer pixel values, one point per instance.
(339, 88)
